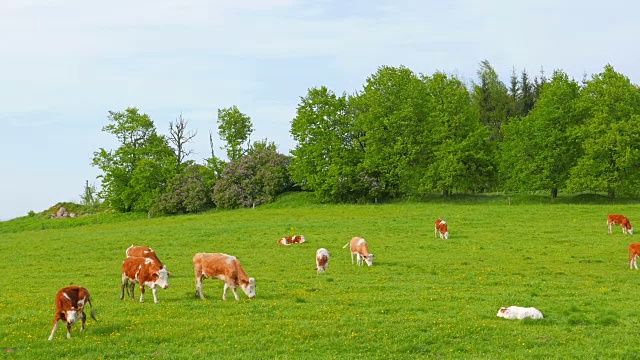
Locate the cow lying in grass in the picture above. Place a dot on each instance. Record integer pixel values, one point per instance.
(517, 312)
(290, 240)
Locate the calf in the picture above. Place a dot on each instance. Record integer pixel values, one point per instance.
(322, 260)
(289, 240)
(360, 249)
(441, 227)
(70, 303)
(634, 252)
(616, 219)
(517, 312)
(226, 268)
(144, 252)
(144, 272)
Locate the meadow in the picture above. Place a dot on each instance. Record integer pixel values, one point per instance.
(423, 297)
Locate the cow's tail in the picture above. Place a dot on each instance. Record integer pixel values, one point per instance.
(92, 312)
(344, 247)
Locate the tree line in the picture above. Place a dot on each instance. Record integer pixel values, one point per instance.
(403, 135)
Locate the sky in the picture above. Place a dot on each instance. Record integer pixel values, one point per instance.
(65, 64)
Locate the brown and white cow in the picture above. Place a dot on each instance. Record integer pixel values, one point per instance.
(634, 252)
(441, 228)
(226, 268)
(322, 260)
(144, 252)
(70, 303)
(143, 271)
(289, 240)
(617, 219)
(360, 249)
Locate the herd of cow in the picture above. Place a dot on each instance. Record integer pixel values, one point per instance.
(142, 266)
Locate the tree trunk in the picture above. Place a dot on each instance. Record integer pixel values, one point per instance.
(445, 193)
(612, 193)
(554, 193)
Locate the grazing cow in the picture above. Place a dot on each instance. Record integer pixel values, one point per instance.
(70, 303)
(621, 220)
(144, 252)
(289, 240)
(144, 272)
(226, 268)
(360, 249)
(322, 260)
(634, 252)
(441, 227)
(517, 312)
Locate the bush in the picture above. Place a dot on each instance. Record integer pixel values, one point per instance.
(187, 192)
(253, 180)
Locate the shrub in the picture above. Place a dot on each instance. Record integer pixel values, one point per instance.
(187, 192)
(254, 179)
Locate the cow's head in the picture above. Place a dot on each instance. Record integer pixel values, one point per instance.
(368, 259)
(446, 235)
(250, 288)
(70, 315)
(160, 278)
(630, 230)
(503, 312)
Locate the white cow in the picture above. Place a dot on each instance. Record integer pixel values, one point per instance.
(517, 312)
(322, 260)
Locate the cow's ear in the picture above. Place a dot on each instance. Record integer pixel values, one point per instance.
(154, 276)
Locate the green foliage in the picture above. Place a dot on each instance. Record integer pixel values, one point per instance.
(235, 129)
(423, 297)
(538, 150)
(89, 197)
(328, 151)
(455, 149)
(391, 114)
(136, 173)
(609, 136)
(492, 100)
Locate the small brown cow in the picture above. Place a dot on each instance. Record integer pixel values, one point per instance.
(360, 249)
(322, 260)
(617, 219)
(144, 272)
(634, 252)
(441, 228)
(70, 303)
(226, 268)
(289, 240)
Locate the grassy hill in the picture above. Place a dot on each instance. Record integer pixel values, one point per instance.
(424, 297)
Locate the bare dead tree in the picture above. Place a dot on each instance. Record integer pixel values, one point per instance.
(213, 156)
(179, 137)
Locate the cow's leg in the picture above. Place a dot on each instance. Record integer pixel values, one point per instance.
(55, 326)
(132, 287)
(635, 261)
(68, 330)
(83, 317)
(609, 227)
(435, 234)
(199, 286)
(141, 292)
(124, 284)
(351, 258)
(235, 292)
(224, 292)
(153, 291)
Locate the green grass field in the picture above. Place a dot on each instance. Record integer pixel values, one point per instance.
(423, 298)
